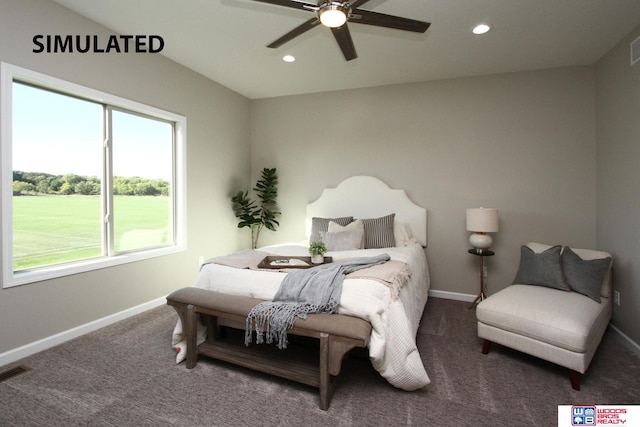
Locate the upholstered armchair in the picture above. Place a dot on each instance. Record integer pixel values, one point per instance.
(557, 308)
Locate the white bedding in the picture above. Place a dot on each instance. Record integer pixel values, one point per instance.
(392, 345)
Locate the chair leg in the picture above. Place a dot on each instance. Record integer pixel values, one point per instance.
(486, 345)
(575, 379)
(574, 376)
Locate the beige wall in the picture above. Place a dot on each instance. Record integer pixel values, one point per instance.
(217, 163)
(522, 142)
(618, 124)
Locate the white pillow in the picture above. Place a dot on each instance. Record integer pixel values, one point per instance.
(356, 225)
(402, 234)
(321, 224)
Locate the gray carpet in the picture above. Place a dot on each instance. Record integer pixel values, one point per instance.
(125, 375)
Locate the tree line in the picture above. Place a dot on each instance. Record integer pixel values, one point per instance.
(37, 183)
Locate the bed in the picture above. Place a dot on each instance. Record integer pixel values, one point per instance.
(393, 311)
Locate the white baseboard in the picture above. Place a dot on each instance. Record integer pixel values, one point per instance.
(48, 342)
(45, 343)
(451, 295)
(631, 343)
(633, 346)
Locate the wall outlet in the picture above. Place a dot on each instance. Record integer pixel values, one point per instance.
(200, 260)
(616, 297)
(484, 271)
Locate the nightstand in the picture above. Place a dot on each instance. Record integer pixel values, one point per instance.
(481, 296)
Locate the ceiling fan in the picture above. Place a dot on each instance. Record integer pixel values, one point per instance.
(336, 14)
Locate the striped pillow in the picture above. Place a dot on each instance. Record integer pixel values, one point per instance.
(378, 232)
(322, 224)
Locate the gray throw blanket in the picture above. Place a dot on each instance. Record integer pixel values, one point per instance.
(315, 290)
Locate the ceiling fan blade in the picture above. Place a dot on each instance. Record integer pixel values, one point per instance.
(289, 3)
(300, 29)
(381, 20)
(357, 3)
(343, 37)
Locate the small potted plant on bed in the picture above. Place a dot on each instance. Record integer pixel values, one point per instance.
(317, 251)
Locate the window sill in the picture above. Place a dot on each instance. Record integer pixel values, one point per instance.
(53, 272)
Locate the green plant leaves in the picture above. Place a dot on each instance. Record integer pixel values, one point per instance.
(256, 216)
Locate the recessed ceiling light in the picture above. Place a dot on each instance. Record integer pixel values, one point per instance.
(481, 29)
(288, 58)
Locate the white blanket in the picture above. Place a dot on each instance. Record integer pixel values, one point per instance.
(392, 345)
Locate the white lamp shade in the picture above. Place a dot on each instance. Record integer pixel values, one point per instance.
(482, 220)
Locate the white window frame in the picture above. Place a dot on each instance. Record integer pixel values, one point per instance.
(10, 73)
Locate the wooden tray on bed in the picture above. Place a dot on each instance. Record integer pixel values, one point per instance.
(282, 261)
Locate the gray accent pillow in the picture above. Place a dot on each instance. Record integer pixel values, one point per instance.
(541, 269)
(356, 225)
(378, 232)
(342, 240)
(322, 224)
(584, 276)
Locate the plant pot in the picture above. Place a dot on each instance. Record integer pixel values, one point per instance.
(317, 259)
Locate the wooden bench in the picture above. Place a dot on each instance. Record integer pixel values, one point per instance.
(337, 334)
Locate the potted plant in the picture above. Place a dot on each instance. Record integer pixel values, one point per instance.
(257, 216)
(317, 251)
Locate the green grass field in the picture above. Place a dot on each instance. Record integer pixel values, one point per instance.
(56, 229)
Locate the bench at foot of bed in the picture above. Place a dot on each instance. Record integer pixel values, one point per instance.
(337, 334)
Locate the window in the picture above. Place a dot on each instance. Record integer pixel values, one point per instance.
(89, 179)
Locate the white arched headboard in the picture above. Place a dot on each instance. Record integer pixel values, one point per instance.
(369, 197)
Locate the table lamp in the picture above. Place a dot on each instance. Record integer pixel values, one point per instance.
(482, 221)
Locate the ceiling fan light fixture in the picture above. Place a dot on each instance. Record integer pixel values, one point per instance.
(332, 15)
(335, 14)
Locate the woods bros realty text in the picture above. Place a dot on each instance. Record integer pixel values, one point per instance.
(94, 44)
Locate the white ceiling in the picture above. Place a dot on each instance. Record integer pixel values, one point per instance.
(225, 39)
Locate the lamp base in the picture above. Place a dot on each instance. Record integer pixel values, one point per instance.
(480, 241)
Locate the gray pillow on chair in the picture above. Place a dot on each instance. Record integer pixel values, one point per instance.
(541, 269)
(584, 276)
